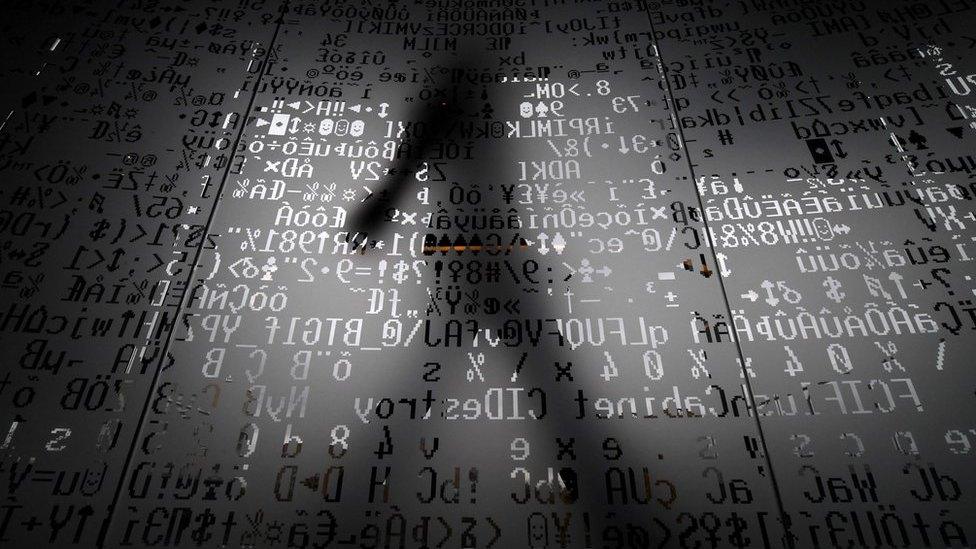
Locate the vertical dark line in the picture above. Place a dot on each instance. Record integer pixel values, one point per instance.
(106, 527)
(718, 273)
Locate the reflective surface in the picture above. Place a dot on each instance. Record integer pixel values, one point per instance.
(477, 274)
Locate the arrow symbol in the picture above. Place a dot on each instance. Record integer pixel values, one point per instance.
(751, 296)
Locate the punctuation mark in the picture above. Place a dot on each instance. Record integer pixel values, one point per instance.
(518, 367)
(940, 355)
(216, 266)
(936, 275)
(416, 268)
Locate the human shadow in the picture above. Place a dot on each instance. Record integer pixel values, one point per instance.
(581, 475)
